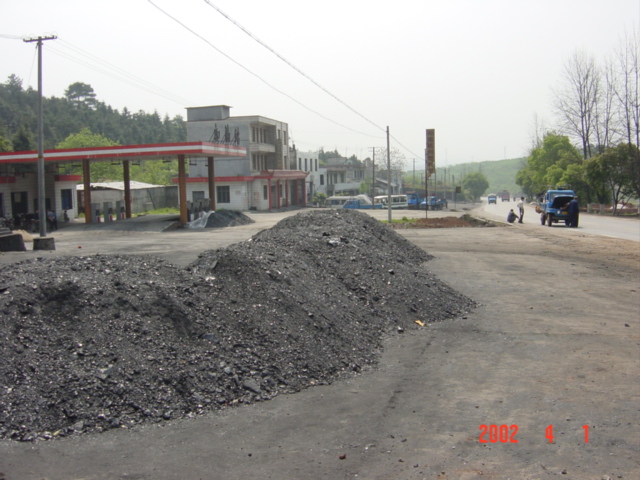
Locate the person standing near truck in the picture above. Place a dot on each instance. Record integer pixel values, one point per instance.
(573, 210)
(520, 206)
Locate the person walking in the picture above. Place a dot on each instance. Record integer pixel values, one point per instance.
(520, 206)
(52, 220)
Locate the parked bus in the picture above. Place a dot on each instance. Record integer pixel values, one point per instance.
(339, 201)
(397, 201)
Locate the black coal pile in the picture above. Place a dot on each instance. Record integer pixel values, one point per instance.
(227, 218)
(100, 342)
(221, 218)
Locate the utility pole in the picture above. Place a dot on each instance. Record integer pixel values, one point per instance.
(430, 161)
(42, 214)
(373, 175)
(455, 199)
(414, 175)
(388, 177)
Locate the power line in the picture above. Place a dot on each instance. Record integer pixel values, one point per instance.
(113, 71)
(256, 39)
(291, 64)
(253, 73)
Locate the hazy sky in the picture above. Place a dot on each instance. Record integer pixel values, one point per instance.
(477, 71)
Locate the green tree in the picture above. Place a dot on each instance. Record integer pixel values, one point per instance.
(319, 198)
(100, 171)
(617, 170)
(323, 156)
(576, 176)
(547, 164)
(365, 187)
(475, 184)
(23, 140)
(156, 172)
(81, 95)
(5, 145)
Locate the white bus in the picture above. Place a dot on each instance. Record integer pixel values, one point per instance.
(338, 201)
(397, 201)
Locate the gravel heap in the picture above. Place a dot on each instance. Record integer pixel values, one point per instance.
(113, 341)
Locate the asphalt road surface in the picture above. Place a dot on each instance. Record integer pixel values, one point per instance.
(555, 342)
(607, 226)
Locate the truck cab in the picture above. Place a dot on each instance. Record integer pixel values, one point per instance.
(413, 201)
(552, 206)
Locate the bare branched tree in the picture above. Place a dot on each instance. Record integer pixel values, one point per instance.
(626, 88)
(605, 124)
(578, 97)
(538, 131)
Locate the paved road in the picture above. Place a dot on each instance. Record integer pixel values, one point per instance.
(607, 226)
(554, 342)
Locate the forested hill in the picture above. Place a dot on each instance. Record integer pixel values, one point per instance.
(501, 174)
(77, 110)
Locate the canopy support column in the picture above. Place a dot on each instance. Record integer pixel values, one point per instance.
(212, 187)
(303, 200)
(286, 193)
(126, 174)
(86, 179)
(182, 190)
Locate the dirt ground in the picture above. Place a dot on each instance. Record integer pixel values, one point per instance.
(555, 341)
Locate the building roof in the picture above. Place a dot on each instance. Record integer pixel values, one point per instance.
(155, 151)
(133, 185)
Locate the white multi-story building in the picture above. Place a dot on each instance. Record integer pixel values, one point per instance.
(317, 178)
(265, 179)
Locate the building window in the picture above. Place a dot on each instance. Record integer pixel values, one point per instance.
(67, 199)
(321, 179)
(198, 195)
(265, 192)
(316, 164)
(223, 194)
(305, 164)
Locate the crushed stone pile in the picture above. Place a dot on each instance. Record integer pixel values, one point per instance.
(100, 342)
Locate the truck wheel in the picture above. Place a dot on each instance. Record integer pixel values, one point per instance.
(549, 219)
(542, 219)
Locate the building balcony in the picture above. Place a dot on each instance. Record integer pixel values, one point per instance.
(262, 148)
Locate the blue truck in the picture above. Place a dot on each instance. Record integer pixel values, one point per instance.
(413, 201)
(433, 203)
(552, 206)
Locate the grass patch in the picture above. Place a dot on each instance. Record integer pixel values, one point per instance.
(159, 211)
(401, 220)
